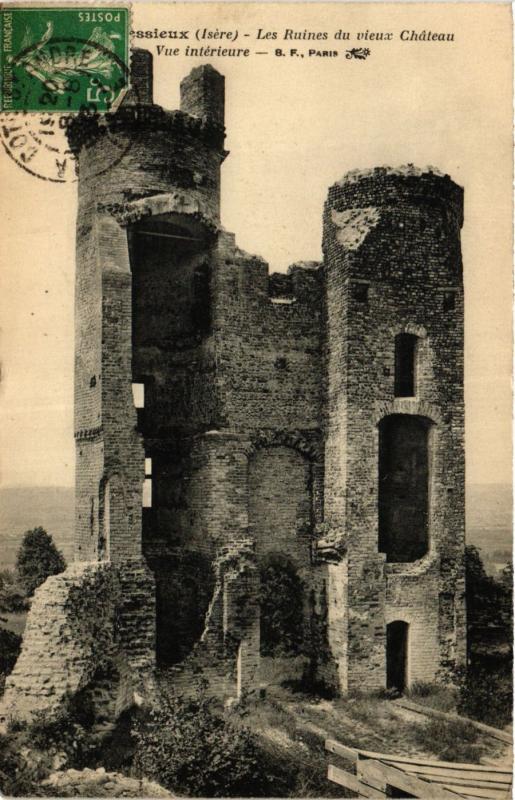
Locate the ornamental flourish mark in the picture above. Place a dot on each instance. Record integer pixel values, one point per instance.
(360, 53)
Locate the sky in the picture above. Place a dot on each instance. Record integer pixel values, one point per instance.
(294, 126)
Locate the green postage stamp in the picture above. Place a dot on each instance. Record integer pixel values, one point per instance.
(63, 58)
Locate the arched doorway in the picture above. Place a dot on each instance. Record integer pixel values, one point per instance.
(397, 655)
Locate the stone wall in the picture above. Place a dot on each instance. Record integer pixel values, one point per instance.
(280, 513)
(138, 167)
(90, 622)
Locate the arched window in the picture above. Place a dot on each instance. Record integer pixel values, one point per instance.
(403, 495)
(405, 364)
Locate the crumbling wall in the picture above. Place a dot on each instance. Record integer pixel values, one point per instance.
(226, 657)
(89, 621)
(267, 343)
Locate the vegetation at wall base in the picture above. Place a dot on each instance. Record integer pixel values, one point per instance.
(281, 603)
(191, 747)
(486, 686)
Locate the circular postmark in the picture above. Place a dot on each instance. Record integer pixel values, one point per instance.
(38, 140)
(39, 145)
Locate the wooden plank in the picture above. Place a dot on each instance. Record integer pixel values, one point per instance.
(460, 781)
(496, 733)
(497, 787)
(450, 772)
(473, 791)
(341, 749)
(349, 781)
(410, 783)
(351, 752)
(369, 777)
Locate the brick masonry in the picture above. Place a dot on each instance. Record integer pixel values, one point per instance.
(91, 629)
(265, 400)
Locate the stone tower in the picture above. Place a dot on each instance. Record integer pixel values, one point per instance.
(149, 186)
(394, 457)
(268, 465)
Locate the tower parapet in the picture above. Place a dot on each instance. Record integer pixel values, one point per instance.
(382, 186)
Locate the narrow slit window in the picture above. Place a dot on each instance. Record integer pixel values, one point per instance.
(147, 484)
(405, 364)
(360, 291)
(138, 395)
(449, 300)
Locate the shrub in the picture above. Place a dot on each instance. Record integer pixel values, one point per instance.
(20, 775)
(449, 740)
(12, 594)
(311, 687)
(65, 733)
(281, 602)
(190, 747)
(37, 559)
(421, 689)
(434, 695)
(486, 694)
(30, 751)
(10, 645)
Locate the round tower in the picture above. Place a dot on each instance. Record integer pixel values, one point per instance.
(395, 420)
(149, 210)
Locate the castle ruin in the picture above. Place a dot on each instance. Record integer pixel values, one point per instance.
(231, 424)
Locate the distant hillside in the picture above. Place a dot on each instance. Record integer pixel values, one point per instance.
(489, 511)
(23, 508)
(489, 517)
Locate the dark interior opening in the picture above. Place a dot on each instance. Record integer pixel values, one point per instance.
(184, 589)
(403, 496)
(396, 655)
(405, 364)
(282, 607)
(449, 300)
(170, 283)
(360, 291)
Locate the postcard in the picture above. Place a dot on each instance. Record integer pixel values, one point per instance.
(255, 448)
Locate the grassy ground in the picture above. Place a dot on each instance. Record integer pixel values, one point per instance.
(296, 724)
(441, 698)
